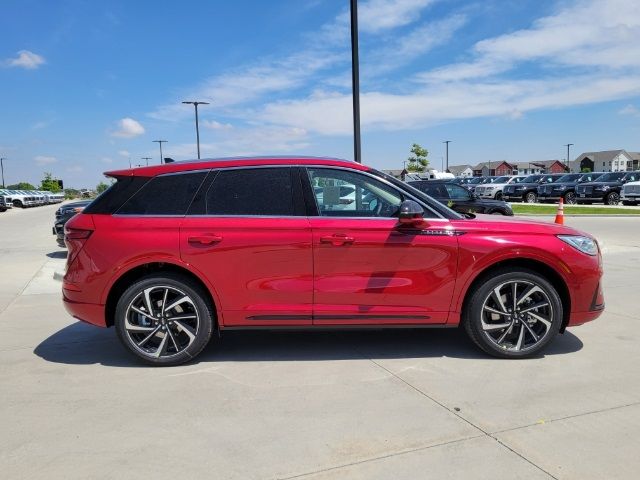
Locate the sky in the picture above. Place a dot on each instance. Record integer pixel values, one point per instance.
(87, 86)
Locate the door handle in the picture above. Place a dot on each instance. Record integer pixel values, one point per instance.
(337, 239)
(203, 240)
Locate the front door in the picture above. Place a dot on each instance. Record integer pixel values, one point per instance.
(367, 268)
(254, 247)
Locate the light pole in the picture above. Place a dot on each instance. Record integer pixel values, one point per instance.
(447, 142)
(568, 145)
(355, 82)
(160, 142)
(195, 104)
(2, 159)
(147, 159)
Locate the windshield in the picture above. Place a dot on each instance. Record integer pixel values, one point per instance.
(611, 177)
(487, 180)
(475, 180)
(549, 179)
(532, 179)
(504, 179)
(571, 177)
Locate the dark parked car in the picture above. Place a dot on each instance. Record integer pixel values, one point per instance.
(4, 203)
(527, 190)
(605, 189)
(63, 214)
(460, 199)
(565, 187)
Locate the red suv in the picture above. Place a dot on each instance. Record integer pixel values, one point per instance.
(171, 253)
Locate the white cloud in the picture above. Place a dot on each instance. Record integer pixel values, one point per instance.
(629, 110)
(124, 153)
(128, 128)
(378, 15)
(107, 160)
(42, 160)
(213, 125)
(25, 59)
(75, 169)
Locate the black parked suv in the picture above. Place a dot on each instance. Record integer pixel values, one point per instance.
(565, 187)
(459, 198)
(606, 188)
(527, 189)
(63, 215)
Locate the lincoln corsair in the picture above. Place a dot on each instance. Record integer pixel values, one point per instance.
(174, 255)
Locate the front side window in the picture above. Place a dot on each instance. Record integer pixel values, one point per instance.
(341, 193)
(251, 192)
(164, 195)
(457, 193)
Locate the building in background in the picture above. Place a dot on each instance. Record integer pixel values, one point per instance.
(461, 170)
(606, 161)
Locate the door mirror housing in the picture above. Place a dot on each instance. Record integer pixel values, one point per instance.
(411, 213)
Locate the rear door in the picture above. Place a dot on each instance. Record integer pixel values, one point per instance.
(248, 233)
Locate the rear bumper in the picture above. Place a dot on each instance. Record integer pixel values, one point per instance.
(86, 312)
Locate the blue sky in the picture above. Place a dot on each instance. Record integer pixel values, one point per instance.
(86, 86)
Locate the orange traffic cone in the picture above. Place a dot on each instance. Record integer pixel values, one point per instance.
(560, 213)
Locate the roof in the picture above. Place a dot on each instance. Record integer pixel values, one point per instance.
(459, 168)
(491, 165)
(188, 165)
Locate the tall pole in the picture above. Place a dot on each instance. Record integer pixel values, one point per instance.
(355, 82)
(447, 142)
(568, 145)
(195, 104)
(147, 159)
(2, 168)
(160, 142)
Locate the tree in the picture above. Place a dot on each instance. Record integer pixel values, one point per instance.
(21, 186)
(49, 184)
(586, 170)
(101, 187)
(418, 161)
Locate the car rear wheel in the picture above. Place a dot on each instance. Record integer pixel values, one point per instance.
(513, 314)
(612, 198)
(531, 197)
(164, 319)
(628, 203)
(570, 198)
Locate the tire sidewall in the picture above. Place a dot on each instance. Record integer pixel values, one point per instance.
(201, 303)
(472, 314)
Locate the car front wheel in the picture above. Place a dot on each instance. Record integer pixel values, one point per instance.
(570, 198)
(531, 197)
(513, 314)
(612, 199)
(164, 319)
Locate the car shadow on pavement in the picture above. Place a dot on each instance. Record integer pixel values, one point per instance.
(81, 344)
(58, 254)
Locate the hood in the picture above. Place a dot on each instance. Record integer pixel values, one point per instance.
(502, 224)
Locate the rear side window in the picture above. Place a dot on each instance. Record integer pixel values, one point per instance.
(109, 201)
(165, 195)
(252, 192)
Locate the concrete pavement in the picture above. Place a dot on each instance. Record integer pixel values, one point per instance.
(380, 404)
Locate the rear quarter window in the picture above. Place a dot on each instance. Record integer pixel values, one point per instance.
(109, 201)
(164, 195)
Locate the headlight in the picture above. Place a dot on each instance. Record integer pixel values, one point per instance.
(584, 244)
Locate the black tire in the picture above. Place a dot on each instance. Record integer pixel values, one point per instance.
(570, 198)
(499, 196)
(612, 198)
(531, 197)
(480, 325)
(195, 332)
(18, 204)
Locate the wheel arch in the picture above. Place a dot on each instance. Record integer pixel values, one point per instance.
(536, 266)
(131, 275)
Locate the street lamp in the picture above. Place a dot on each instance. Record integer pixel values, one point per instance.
(195, 104)
(147, 159)
(2, 159)
(160, 142)
(568, 145)
(355, 82)
(447, 142)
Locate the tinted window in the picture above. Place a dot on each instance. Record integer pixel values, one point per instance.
(252, 191)
(501, 179)
(532, 179)
(611, 177)
(436, 190)
(573, 177)
(109, 201)
(457, 193)
(368, 197)
(164, 195)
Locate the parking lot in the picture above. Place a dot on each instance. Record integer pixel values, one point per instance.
(403, 404)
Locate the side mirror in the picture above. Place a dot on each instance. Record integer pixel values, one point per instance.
(411, 213)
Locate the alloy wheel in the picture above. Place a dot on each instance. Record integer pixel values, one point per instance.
(531, 197)
(570, 198)
(161, 321)
(517, 315)
(613, 198)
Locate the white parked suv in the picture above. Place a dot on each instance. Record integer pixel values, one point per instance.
(630, 194)
(493, 190)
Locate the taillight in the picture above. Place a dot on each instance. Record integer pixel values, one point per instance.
(77, 234)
